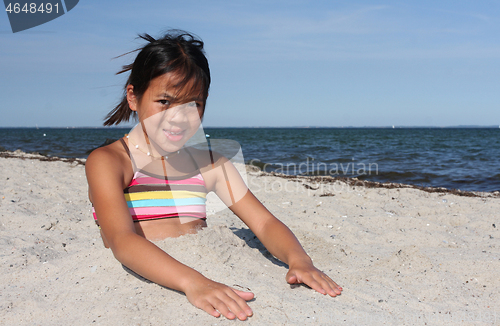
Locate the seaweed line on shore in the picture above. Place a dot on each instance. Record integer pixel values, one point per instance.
(37, 156)
(354, 182)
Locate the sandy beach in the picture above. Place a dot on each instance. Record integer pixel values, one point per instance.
(404, 256)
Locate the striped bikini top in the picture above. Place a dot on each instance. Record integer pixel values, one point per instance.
(153, 197)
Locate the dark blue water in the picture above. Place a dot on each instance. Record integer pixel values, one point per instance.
(459, 158)
(61, 142)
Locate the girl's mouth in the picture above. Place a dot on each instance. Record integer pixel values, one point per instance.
(174, 136)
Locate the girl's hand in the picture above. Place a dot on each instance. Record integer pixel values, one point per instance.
(306, 273)
(216, 299)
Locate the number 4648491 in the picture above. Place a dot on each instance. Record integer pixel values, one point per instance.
(32, 8)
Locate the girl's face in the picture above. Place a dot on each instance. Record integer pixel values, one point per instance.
(170, 116)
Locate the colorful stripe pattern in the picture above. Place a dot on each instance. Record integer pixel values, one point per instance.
(150, 198)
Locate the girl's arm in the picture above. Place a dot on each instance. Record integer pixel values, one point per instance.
(104, 169)
(276, 236)
(282, 243)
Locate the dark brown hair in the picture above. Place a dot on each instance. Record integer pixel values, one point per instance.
(177, 51)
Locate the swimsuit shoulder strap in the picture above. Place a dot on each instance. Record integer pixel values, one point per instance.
(125, 146)
(128, 153)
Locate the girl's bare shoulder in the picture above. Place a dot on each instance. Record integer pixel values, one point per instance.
(110, 159)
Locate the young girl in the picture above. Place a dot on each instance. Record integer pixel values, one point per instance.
(153, 183)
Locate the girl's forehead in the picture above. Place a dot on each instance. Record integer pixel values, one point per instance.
(174, 85)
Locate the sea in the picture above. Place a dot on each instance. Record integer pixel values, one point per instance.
(455, 158)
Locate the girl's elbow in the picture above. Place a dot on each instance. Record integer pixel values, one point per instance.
(119, 254)
(119, 245)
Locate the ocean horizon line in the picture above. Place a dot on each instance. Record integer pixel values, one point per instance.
(278, 127)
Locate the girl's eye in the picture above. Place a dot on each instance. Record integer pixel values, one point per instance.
(164, 102)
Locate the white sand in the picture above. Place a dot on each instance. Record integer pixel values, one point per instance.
(403, 257)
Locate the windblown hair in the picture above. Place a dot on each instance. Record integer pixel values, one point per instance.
(178, 52)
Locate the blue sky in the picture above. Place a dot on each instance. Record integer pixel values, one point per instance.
(273, 63)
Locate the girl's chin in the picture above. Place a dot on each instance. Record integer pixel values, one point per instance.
(170, 149)
(168, 146)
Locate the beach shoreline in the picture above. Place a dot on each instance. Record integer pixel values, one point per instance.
(404, 256)
(305, 179)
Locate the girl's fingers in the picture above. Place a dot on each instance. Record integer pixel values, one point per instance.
(221, 306)
(333, 282)
(292, 279)
(315, 279)
(218, 299)
(330, 286)
(236, 309)
(244, 295)
(229, 304)
(297, 276)
(238, 305)
(323, 284)
(230, 308)
(315, 285)
(210, 309)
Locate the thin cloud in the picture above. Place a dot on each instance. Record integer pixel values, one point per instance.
(370, 32)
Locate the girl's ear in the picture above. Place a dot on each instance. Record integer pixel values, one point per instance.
(131, 98)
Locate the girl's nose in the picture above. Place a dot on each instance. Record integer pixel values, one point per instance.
(176, 114)
(182, 113)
